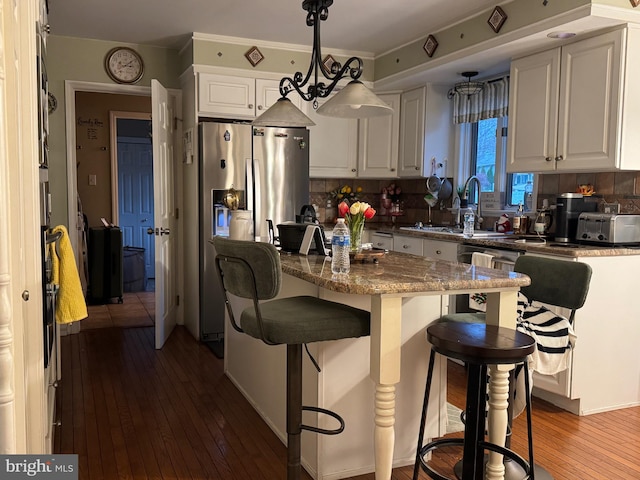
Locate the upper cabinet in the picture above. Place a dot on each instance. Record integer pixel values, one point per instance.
(426, 128)
(333, 145)
(233, 97)
(378, 142)
(569, 107)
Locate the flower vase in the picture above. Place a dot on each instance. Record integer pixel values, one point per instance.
(355, 231)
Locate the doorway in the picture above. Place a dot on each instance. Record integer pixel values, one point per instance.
(132, 176)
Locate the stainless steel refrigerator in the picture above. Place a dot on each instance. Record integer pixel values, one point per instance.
(269, 167)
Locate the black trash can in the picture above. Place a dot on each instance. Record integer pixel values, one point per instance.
(134, 274)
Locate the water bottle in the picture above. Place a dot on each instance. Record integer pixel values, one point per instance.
(340, 245)
(469, 219)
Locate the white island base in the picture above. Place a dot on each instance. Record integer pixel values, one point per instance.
(344, 386)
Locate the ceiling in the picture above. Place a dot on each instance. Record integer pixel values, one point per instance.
(373, 26)
(364, 27)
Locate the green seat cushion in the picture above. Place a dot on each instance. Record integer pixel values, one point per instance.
(471, 317)
(305, 319)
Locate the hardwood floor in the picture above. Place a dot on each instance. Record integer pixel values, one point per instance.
(132, 412)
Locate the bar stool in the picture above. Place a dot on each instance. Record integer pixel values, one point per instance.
(252, 270)
(478, 345)
(560, 283)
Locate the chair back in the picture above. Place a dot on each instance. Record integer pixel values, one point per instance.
(562, 283)
(248, 269)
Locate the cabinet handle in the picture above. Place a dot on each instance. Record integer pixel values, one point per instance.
(438, 252)
(547, 159)
(353, 169)
(558, 158)
(416, 167)
(250, 105)
(259, 107)
(392, 169)
(379, 244)
(405, 246)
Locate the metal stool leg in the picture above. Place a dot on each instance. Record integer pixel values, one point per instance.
(294, 410)
(423, 420)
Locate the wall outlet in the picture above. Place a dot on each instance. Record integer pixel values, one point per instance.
(611, 208)
(93, 180)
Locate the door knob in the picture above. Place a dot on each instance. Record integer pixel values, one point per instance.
(149, 231)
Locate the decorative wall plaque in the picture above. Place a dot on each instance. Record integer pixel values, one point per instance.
(254, 56)
(430, 45)
(328, 62)
(497, 19)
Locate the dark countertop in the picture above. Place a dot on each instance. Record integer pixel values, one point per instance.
(532, 245)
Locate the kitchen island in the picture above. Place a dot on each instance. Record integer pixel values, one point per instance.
(404, 294)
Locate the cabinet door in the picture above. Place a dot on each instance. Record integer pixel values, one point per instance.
(268, 93)
(226, 96)
(533, 112)
(406, 244)
(333, 146)
(382, 240)
(412, 113)
(378, 142)
(589, 103)
(440, 250)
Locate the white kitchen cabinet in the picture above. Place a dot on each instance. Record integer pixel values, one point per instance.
(604, 363)
(407, 244)
(234, 97)
(440, 249)
(426, 130)
(378, 142)
(333, 146)
(382, 240)
(569, 107)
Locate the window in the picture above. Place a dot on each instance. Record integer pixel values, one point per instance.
(488, 163)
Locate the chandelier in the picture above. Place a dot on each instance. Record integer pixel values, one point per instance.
(467, 88)
(354, 100)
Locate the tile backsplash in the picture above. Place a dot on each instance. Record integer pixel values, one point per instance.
(610, 187)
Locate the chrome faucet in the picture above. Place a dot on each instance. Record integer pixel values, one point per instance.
(478, 224)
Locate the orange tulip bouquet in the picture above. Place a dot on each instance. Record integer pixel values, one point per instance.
(354, 217)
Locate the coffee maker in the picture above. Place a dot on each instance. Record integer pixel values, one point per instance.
(569, 206)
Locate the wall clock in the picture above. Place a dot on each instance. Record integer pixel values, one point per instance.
(124, 65)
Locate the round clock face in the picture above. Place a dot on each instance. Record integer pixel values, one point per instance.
(124, 65)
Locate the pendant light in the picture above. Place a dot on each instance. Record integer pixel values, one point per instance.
(467, 88)
(352, 101)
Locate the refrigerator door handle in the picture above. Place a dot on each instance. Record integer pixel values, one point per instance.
(253, 194)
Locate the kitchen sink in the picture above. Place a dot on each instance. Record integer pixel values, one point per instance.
(455, 232)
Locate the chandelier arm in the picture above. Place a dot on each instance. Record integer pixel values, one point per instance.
(354, 73)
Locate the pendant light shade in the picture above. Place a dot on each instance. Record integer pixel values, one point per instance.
(467, 88)
(283, 113)
(355, 101)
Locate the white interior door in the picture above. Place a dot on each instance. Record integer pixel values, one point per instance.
(162, 115)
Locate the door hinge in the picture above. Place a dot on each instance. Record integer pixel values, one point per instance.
(175, 123)
(177, 213)
(177, 300)
(504, 132)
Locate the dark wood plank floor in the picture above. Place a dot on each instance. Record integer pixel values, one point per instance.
(132, 412)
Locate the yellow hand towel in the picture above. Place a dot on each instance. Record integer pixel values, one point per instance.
(70, 304)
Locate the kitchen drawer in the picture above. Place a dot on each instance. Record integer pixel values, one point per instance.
(404, 244)
(440, 250)
(382, 240)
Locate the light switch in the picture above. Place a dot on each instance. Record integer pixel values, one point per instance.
(92, 180)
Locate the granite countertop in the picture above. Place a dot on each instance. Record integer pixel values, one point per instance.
(400, 273)
(510, 242)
